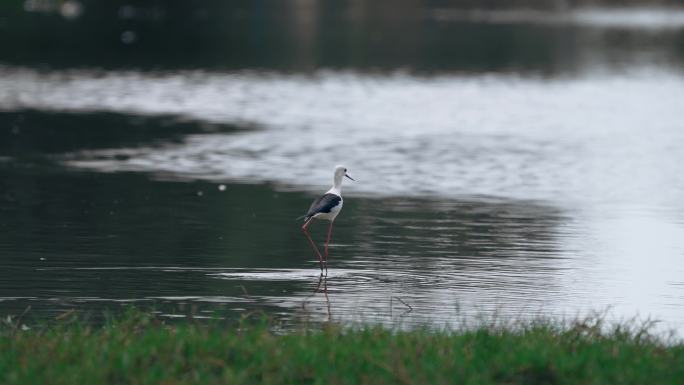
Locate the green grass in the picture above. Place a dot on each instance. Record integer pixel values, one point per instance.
(136, 348)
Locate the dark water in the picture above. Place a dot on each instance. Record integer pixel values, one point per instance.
(509, 163)
(81, 240)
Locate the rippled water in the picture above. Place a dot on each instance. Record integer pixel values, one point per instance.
(505, 194)
(475, 195)
(562, 140)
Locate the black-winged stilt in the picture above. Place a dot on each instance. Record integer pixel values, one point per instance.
(326, 207)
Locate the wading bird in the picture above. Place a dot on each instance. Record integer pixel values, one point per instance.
(326, 207)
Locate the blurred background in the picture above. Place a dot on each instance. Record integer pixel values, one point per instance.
(428, 37)
(513, 158)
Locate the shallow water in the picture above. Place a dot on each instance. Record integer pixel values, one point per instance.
(221, 253)
(517, 193)
(516, 207)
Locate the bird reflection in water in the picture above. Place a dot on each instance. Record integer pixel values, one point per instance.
(321, 287)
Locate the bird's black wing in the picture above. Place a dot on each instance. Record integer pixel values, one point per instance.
(323, 205)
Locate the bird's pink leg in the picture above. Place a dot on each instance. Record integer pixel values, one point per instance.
(313, 245)
(327, 242)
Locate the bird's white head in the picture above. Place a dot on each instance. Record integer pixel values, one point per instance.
(340, 172)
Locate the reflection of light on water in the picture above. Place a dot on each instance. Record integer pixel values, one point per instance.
(128, 37)
(641, 18)
(631, 259)
(194, 298)
(504, 135)
(285, 275)
(70, 9)
(633, 18)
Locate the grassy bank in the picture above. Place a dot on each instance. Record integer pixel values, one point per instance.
(138, 349)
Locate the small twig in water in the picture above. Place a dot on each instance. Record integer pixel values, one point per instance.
(405, 304)
(65, 314)
(24, 313)
(244, 290)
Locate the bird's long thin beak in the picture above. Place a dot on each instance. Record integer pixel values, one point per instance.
(347, 175)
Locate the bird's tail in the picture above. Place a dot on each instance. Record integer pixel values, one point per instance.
(302, 217)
